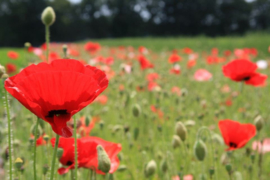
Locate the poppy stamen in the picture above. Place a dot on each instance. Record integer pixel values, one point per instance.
(69, 163)
(246, 78)
(233, 145)
(53, 113)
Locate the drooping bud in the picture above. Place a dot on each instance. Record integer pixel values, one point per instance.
(33, 130)
(200, 150)
(45, 169)
(136, 110)
(259, 122)
(228, 168)
(216, 138)
(59, 153)
(122, 168)
(164, 166)
(176, 142)
(180, 130)
(48, 16)
(2, 71)
(104, 162)
(150, 168)
(18, 163)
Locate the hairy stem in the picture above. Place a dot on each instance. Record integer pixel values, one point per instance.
(34, 149)
(54, 156)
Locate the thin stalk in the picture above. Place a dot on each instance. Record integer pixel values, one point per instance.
(54, 156)
(47, 36)
(75, 148)
(34, 149)
(9, 136)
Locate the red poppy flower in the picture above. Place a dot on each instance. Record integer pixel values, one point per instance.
(235, 134)
(84, 130)
(152, 76)
(191, 63)
(174, 58)
(92, 47)
(244, 70)
(187, 50)
(143, 50)
(176, 90)
(87, 153)
(73, 52)
(40, 141)
(152, 85)
(11, 68)
(12, 55)
(102, 99)
(176, 69)
(145, 64)
(55, 92)
(53, 56)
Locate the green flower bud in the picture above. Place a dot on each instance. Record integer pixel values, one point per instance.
(228, 168)
(136, 110)
(87, 120)
(48, 16)
(46, 138)
(18, 163)
(216, 138)
(176, 142)
(181, 131)
(104, 162)
(200, 150)
(33, 130)
(164, 166)
(59, 153)
(122, 168)
(259, 122)
(136, 133)
(45, 169)
(211, 172)
(150, 168)
(2, 71)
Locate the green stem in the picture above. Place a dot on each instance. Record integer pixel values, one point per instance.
(47, 36)
(75, 147)
(9, 136)
(35, 153)
(54, 156)
(212, 147)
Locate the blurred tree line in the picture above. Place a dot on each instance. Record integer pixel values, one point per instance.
(20, 19)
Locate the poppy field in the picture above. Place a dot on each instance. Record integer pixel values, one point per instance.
(143, 108)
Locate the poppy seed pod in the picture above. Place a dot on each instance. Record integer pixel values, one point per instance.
(136, 110)
(104, 162)
(150, 168)
(258, 122)
(176, 142)
(181, 131)
(200, 150)
(164, 166)
(18, 163)
(48, 16)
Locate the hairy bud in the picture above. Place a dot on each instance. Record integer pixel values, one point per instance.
(48, 16)
(104, 162)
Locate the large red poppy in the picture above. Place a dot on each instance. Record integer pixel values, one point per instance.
(235, 134)
(55, 92)
(244, 70)
(92, 47)
(87, 153)
(145, 64)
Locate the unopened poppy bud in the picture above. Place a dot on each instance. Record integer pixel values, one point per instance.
(136, 110)
(200, 150)
(122, 168)
(27, 44)
(258, 122)
(46, 138)
(150, 168)
(211, 172)
(176, 142)
(2, 71)
(18, 163)
(48, 16)
(252, 157)
(101, 124)
(4, 76)
(190, 123)
(116, 128)
(203, 177)
(228, 168)
(164, 166)
(33, 130)
(87, 120)
(136, 133)
(45, 169)
(181, 131)
(184, 92)
(59, 153)
(104, 162)
(31, 140)
(216, 138)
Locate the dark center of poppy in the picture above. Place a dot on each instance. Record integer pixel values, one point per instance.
(69, 163)
(56, 112)
(246, 78)
(233, 145)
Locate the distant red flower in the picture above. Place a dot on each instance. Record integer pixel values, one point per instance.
(102, 99)
(73, 52)
(191, 63)
(187, 50)
(263, 147)
(84, 129)
(176, 69)
(92, 47)
(12, 55)
(214, 51)
(44, 46)
(235, 134)
(108, 61)
(202, 75)
(174, 58)
(145, 64)
(40, 141)
(152, 85)
(143, 50)
(176, 90)
(227, 53)
(152, 77)
(53, 56)
(244, 70)
(55, 92)
(156, 111)
(212, 59)
(11, 68)
(87, 153)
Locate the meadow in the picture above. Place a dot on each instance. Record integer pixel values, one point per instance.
(142, 114)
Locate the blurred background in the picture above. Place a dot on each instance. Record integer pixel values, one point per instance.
(84, 19)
